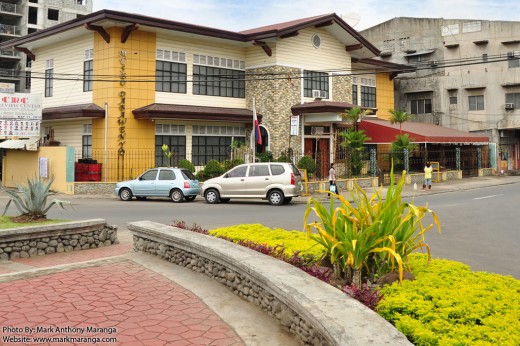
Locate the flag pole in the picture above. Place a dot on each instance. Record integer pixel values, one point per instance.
(253, 139)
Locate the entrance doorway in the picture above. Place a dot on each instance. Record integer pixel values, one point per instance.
(318, 150)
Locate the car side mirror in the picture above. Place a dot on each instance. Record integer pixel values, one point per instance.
(226, 175)
(140, 178)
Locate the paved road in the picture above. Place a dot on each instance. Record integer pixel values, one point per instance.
(479, 217)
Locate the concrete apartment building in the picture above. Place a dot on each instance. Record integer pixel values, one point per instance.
(467, 77)
(22, 17)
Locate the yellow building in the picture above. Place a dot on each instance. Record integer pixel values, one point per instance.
(118, 86)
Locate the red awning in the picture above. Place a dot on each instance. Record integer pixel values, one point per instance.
(382, 131)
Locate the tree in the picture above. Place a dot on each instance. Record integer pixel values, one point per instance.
(355, 114)
(354, 141)
(399, 117)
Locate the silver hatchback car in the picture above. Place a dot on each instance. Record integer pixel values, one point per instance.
(176, 183)
(278, 182)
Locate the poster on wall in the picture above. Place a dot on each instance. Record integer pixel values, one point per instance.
(20, 114)
(44, 167)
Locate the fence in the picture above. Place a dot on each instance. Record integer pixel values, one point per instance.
(369, 162)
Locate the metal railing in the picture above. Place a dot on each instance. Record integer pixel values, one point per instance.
(367, 163)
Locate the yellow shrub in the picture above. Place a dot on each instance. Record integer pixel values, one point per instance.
(448, 304)
(291, 241)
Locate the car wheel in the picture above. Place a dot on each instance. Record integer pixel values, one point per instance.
(275, 197)
(176, 196)
(125, 194)
(225, 200)
(189, 198)
(287, 200)
(212, 196)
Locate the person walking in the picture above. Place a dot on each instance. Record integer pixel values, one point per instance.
(332, 180)
(428, 169)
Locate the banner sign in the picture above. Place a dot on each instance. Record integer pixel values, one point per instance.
(20, 115)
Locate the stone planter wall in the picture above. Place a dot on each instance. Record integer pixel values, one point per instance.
(64, 237)
(314, 311)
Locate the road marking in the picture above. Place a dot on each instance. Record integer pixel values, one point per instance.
(488, 196)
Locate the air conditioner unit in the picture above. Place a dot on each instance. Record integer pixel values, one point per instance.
(510, 106)
(510, 54)
(317, 130)
(434, 62)
(319, 94)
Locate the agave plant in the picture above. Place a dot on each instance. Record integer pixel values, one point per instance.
(31, 199)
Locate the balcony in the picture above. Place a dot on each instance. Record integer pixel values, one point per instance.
(10, 8)
(9, 54)
(9, 74)
(10, 30)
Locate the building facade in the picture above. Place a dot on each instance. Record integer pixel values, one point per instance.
(467, 76)
(22, 17)
(128, 84)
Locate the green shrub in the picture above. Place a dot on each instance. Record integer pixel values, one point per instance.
(187, 165)
(228, 164)
(282, 158)
(291, 241)
(307, 163)
(213, 169)
(265, 156)
(448, 304)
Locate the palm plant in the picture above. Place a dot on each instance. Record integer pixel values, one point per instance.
(354, 141)
(355, 114)
(31, 199)
(401, 143)
(399, 117)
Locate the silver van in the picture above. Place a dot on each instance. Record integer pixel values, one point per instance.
(278, 182)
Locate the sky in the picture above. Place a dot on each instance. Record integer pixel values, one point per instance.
(238, 15)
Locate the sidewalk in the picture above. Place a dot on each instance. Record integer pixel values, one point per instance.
(441, 187)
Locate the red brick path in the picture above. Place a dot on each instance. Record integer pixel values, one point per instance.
(144, 307)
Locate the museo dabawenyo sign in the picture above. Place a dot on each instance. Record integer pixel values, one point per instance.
(20, 115)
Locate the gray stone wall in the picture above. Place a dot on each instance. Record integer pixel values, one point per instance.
(71, 236)
(276, 92)
(85, 188)
(342, 89)
(239, 284)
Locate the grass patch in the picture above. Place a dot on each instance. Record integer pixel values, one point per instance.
(6, 222)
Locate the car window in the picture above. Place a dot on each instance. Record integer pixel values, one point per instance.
(166, 174)
(238, 172)
(295, 170)
(277, 169)
(188, 175)
(258, 171)
(150, 175)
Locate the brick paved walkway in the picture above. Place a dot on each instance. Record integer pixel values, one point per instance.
(121, 300)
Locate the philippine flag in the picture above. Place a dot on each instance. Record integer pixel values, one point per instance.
(258, 135)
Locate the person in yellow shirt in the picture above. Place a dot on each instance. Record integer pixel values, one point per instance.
(428, 169)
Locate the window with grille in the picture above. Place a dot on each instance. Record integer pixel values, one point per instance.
(368, 96)
(174, 136)
(513, 98)
(476, 103)
(421, 106)
(313, 80)
(215, 81)
(354, 95)
(513, 59)
(86, 145)
(49, 77)
(171, 77)
(88, 70)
